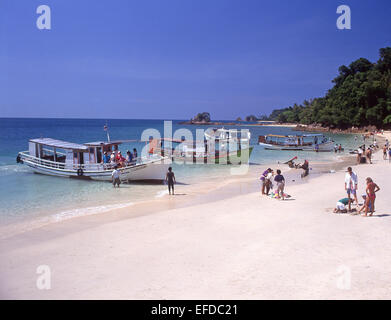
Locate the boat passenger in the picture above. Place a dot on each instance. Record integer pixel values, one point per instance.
(135, 156)
(112, 158)
(129, 157)
(106, 158)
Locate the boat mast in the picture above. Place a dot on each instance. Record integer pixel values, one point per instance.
(106, 128)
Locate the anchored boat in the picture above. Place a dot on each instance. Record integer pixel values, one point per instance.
(308, 142)
(71, 160)
(220, 146)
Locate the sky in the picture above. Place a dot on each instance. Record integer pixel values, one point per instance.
(154, 59)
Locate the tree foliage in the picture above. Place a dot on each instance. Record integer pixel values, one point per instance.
(361, 96)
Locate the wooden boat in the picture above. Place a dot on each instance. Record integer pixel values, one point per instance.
(308, 142)
(84, 161)
(220, 146)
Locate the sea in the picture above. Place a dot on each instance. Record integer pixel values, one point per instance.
(26, 196)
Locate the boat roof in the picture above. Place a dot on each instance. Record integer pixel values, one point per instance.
(295, 136)
(105, 143)
(59, 144)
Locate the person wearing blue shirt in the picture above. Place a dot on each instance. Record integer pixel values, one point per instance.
(106, 158)
(129, 157)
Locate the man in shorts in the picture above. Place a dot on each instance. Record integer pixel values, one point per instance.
(115, 177)
(351, 183)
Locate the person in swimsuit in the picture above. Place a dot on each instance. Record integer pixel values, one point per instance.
(385, 152)
(170, 178)
(371, 190)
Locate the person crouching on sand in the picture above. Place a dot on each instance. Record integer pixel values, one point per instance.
(371, 190)
(341, 205)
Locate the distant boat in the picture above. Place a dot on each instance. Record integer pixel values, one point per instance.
(220, 146)
(308, 142)
(71, 160)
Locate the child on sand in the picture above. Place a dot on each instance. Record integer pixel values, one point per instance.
(279, 178)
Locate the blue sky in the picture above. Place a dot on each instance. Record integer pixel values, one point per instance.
(172, 59)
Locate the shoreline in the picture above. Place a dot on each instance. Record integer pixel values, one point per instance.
(195, 192)
(227, 243)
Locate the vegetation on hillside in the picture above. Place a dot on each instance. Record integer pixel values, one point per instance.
(361, 96)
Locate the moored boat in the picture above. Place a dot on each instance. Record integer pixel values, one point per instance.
(308, 142)
(72, 160)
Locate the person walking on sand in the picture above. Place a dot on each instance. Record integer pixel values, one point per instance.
(359, 155)
(115, 177)
(268, 181)
(385, 152)
(371, 190)
(280, 180)
(369, 155)
(351, 183)
(170, 178)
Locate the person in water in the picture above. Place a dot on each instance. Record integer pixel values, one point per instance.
(115, 177)
(371, 190)
(170, 178)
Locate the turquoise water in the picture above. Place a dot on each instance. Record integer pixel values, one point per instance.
(25, 195)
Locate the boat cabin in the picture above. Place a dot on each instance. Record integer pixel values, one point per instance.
(97, 148)
(53, 151)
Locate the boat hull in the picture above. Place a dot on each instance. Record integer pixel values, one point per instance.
(152, 170)
(327, 147)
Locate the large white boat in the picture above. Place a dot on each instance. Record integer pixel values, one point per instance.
(242, 136)
(308, 142)
(66, 159)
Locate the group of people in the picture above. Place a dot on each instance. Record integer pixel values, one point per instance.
(267, 183)
(338, 148)
(387, 151)
(117, 159)
(351, 188)
(365, 153)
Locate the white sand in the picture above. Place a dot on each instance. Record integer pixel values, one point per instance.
(247, 247)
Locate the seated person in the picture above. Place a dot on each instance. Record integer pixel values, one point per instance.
(341, 205)
(129, 157)
(106, 157)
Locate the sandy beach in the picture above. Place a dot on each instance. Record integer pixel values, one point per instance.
(225, 243)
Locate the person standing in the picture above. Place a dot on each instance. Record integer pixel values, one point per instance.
(115, 177)
(369, 155)
(280, 180)
(170, 178)
(371, 190)
(385, 152)
(135, 156)
(268, 181)
(263, 179)
(351, 183)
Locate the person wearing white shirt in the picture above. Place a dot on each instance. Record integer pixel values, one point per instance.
(115, 177)
(351, 183)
